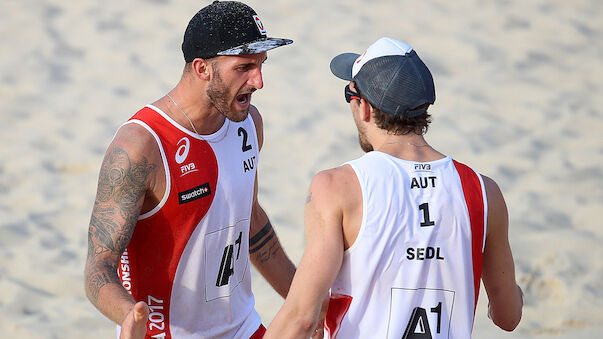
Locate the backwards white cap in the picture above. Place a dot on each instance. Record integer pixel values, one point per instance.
(380, 48)
(390, 75)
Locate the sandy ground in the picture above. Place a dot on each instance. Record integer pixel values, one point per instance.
(518, 86)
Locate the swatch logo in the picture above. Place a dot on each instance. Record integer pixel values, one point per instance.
(194, 194)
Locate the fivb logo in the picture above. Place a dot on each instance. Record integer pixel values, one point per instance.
(260, 25)
(181, 154)
(183, 150)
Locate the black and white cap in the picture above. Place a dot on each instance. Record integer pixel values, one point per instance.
(390, 75)
(227, 28)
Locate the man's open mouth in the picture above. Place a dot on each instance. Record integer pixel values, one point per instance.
(243, 98)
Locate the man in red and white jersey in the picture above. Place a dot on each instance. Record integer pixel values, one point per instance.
(403, 235)
(176, 221)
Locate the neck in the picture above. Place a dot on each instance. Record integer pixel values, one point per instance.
(193, 112)
(399, 141)
(411, 147)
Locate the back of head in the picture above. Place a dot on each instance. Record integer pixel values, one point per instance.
(226, 28)
(392, 77)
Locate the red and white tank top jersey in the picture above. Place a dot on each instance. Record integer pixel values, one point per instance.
(414, 270)
(188, 257)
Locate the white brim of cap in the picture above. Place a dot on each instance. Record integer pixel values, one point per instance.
(256, 46)
(341, 65)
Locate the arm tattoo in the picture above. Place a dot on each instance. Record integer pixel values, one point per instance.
(258, 236)
(309, 198)
(98, 279)
(258, 242)
(268, 253)
(120, 194)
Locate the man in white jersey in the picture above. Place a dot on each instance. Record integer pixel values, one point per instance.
(176, 221)
(402, 235)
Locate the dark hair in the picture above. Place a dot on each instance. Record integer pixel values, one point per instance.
(398, 125)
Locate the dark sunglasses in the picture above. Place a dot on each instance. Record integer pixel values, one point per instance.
(349, 95)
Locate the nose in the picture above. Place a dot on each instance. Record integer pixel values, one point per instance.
(256, 79)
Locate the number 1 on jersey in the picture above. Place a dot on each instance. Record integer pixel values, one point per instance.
(418, 326)
(426, 220)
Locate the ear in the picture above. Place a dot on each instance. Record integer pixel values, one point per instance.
(365, 110)
(202, 69)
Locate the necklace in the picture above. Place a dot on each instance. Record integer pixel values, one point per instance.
(187, 118)
(407, 143)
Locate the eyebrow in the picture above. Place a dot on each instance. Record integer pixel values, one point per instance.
(246, 64)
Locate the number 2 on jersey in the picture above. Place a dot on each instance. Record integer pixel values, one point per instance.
(245, 147)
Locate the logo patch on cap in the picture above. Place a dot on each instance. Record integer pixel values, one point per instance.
(360, 57)
(260, 25)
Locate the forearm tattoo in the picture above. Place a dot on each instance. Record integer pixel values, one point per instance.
(120, 194)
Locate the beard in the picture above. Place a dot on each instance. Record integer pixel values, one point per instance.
(218, 96)
(362, 139)
(364, 144)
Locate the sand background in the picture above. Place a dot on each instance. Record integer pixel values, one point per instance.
(519, 98)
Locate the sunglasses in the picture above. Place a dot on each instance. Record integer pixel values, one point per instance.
(349, 95)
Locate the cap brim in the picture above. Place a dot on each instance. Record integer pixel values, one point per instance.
(258, 46)
(341, 65)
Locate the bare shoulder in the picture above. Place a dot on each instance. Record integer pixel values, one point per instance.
(259, 124)
(130, 164)
(335, 195)
(135, 139)
(334, 178)
(335, 185)
(492, 188)
(497, 208)
(135, 146)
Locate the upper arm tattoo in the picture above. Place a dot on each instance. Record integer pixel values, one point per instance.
(120, 194)
(309, 198)
(265, 233)
(258, 242)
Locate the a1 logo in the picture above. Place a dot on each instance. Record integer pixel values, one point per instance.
(182, 151)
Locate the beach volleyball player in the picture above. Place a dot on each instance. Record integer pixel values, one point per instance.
(176, 211)
(403, 235)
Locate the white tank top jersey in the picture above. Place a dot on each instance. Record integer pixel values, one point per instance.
(414, 270)
(189, 257)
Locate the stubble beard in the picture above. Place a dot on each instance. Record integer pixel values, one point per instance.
(364, 143)
(218, 96)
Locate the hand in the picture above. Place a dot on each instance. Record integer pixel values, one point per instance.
(135, 322)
